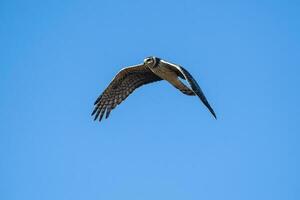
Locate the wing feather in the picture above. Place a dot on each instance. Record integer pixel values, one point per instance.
(124, 83)
(192, 82)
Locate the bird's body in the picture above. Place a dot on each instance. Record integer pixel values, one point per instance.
(153, 69)
(172, 76)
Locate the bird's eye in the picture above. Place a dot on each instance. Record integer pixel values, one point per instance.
(149, 60)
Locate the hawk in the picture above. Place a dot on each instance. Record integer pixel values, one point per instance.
(153, 69)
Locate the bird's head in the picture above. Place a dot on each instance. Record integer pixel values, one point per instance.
(151, 61)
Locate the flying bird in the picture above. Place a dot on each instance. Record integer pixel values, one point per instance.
(153, 69)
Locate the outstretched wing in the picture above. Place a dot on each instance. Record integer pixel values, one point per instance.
(183, 73)
(124, 83)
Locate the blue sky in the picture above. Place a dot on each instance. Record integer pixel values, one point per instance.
(58, 56)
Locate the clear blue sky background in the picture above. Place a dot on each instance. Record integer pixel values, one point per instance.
(57, 56)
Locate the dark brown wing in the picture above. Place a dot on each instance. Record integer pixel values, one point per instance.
(125, 82)
(192, 82)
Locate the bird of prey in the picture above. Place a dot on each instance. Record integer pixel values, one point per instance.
(151, 70)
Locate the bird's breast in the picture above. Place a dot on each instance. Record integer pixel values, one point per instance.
(165, 73)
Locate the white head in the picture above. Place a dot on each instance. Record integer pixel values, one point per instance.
(151, 62)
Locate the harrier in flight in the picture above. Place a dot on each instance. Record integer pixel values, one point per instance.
(130, 78)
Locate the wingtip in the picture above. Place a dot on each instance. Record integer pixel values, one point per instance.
(212, 112)
(215, 116)
(94, 111)
(98, 99)
(96, 116)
